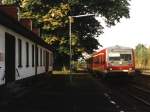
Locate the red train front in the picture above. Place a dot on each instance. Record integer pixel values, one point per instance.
(115, 59)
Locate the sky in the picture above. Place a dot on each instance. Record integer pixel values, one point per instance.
(130, 32)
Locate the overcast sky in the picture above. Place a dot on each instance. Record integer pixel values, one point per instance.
(130, 32)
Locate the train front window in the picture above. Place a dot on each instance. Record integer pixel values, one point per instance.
(120, 58)
(125, 57)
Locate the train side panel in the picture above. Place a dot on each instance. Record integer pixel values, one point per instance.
(99, 61)
(115, 59)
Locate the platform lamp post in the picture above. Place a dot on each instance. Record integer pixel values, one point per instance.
(70, 40)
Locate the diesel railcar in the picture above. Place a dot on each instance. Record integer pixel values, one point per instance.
(22, 52)
(116, 59)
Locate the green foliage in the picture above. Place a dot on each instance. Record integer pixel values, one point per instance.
(142, 55)
(52, 17)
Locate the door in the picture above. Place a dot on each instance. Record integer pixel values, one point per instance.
(9, 58)
(47, 61)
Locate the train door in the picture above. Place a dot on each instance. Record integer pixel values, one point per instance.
(47, 61)
(9, 58)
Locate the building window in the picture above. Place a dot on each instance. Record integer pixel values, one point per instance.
(19, 53)
(27, 54)
(44, 58)
(33, 55)
(37, 56)
(50, 59)
(41, 56)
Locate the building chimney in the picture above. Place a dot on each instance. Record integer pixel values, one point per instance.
(36, 31)
(10, 10)
(26, 23)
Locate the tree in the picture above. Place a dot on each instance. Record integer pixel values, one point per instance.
(52, 17)
(142, 56)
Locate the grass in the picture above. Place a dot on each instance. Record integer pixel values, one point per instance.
(61, 72)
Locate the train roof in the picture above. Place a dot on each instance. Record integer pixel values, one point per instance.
(118, 47)
(16, 26)
(111, 48)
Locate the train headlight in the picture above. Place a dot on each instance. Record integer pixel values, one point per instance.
(109, 65)
(130, 68)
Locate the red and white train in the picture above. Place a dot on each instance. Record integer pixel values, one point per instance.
(116, 59)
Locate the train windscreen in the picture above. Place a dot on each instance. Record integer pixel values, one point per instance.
(120, 58)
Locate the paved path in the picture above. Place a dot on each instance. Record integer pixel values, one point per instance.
(55, 94)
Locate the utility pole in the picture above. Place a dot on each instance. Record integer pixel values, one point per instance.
(70, 39)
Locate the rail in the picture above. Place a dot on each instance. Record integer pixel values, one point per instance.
(138, 93)
(138, 96)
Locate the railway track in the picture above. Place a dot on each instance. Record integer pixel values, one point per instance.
(130, 95)
(140, 94)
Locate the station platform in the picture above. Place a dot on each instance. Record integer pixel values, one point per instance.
(55, 94)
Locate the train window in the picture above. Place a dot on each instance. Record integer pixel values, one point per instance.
(103, 59)
(100, 59)
(33, 55)
(27, 54)
(96, 60)
(114, 58)
(41, 56)
(125, 57)
(19, 53)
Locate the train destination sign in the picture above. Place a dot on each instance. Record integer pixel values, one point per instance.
(113, 54)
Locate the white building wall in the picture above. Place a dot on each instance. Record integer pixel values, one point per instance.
(23, 71)
(2, 55)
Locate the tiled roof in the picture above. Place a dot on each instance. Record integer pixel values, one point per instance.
(14, 25)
